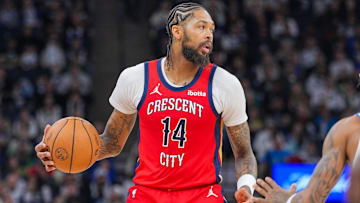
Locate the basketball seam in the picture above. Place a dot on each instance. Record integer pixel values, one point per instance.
(52, 147)
(82, 122)
(72, 150)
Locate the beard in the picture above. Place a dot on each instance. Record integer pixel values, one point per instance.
(193, 55)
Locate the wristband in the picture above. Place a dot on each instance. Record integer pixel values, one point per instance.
(290, 198)
(248, 180)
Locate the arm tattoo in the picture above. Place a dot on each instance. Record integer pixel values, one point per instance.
(245, 162)
(326, 174)
(116, 133)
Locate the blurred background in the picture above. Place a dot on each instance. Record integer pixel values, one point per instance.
(298, 62)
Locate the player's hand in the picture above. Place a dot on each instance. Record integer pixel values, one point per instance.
(243, 196)
(43, 153)
(272, 192)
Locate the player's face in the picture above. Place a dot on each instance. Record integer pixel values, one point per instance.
(198, 38)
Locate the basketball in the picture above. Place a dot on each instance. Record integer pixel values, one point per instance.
(241, 196)
(73, 144)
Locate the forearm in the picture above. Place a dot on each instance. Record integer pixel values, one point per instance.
(245, 162)
(116, 132)
(326, 173)
(109, 146)
(303, 197)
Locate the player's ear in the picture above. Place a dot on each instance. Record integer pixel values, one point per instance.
(177, 32)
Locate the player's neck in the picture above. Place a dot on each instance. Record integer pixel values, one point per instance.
(180, 71)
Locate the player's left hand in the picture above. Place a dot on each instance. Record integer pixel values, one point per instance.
(272, 192)
(243, 196)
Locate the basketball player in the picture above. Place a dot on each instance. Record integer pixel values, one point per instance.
(182, 101)
(341, 145)
(354, 189)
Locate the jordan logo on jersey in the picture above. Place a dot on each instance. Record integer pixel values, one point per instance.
(211, 193)
(156, 90)
(133, 193)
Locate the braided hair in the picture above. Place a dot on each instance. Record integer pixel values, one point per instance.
(177, 15)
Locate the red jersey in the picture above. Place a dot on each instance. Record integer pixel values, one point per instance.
(180, 132)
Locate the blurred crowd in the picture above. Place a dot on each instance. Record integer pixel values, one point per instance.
(298, 62)
(45, 74)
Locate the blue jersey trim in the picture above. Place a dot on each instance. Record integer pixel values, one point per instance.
(210, 85)
(146, 84)
(137, 144)
(216, 153)
(177, 89)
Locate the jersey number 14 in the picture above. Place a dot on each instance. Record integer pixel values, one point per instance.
(177, 135)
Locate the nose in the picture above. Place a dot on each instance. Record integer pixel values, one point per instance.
(209, 35)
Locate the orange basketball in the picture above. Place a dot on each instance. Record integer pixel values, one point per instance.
(73, 143)
(241, 196)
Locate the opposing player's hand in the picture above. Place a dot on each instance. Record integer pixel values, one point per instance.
(243, 196)
(272, 192)
(43, 153)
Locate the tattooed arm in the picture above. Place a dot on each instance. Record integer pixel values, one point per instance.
(325, 175)
(116, 132)
(245, 162)
(329, 168)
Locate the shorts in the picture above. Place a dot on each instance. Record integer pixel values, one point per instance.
(207, 194)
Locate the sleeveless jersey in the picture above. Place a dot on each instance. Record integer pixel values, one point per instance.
(357, 153)
(179, 132)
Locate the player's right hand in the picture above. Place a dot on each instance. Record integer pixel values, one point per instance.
(43, 153)
(272, 192)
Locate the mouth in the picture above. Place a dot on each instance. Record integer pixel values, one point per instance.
(206, 48)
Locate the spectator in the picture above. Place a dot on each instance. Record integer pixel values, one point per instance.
(218, 11)
(53, 54)
(32, 192)
(75, 106)
(29, 58)
(101, 185)
(30, 14)
(25, 127)
(4, 194)
(15, 185)
(236, 37)
(309, 54)
(77, 79)
(49, 114)
(283, 26)
(341, 67)
(9, 16)
(278, 154)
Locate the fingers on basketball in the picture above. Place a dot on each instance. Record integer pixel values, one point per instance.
(241, 195)
(49, 168)
(42, 152)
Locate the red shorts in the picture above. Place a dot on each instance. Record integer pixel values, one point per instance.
(207, 194)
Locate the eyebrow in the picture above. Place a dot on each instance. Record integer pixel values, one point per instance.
(204, 21)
